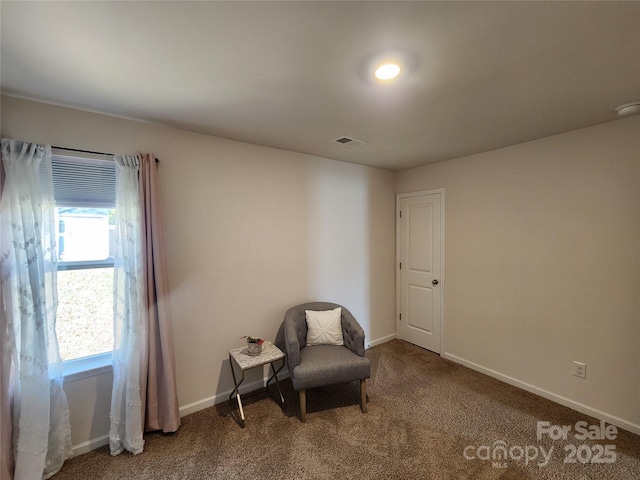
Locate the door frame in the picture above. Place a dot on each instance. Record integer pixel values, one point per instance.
(399, 197)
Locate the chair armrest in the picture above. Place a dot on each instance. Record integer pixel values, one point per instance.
(291, 345)
(352, 333)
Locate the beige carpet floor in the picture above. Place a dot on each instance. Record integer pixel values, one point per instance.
(424, 414)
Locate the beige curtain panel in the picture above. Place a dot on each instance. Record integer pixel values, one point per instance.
(159, 391)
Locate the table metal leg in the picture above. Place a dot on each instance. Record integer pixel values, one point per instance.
(237, 392)
(275, 375)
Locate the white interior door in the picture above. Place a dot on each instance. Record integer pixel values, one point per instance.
(420, 269)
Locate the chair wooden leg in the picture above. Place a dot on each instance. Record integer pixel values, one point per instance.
(363, 396)
(303, 405)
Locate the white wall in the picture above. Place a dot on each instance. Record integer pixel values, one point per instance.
(542, 265)
(250, 232)
(542, 252)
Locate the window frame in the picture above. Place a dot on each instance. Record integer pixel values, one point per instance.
(85, 367)
(92, 365)
(86, 264)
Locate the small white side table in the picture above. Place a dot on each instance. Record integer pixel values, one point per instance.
(269, 354)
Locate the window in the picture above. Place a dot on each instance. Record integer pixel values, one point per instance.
(85, 281)
(84, 190)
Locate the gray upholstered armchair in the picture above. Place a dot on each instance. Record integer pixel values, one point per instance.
(321, 365)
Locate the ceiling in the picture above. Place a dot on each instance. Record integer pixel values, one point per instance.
(296, 75)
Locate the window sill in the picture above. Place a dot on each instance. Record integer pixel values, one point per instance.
(86, 367)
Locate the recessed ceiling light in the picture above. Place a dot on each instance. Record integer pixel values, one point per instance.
(387, 71)
(388, 66)
(628, 109)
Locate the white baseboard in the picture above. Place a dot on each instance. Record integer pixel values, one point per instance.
(619, 422)
(185, 410)
(208, 402)
(224, 396)
(89, 445)
(379, 341)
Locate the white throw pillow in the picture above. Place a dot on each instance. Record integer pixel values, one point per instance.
(324, 327)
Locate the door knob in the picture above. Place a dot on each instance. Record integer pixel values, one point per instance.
(435, 282)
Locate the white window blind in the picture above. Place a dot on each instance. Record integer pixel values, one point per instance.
(84, 182)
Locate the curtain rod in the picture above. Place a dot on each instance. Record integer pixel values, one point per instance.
(82, 151)
(88, 151)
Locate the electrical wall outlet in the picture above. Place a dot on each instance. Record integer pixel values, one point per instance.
(580, 369)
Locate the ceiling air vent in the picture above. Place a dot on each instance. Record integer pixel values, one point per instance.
(348, 141)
